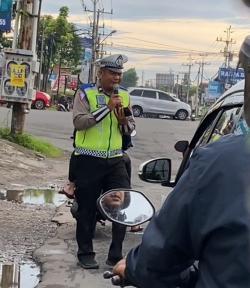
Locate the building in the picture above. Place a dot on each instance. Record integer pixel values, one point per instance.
(164, 80)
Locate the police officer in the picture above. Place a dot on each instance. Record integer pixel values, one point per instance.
(205, 218)
(100, 120)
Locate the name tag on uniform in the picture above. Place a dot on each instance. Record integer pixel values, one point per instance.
(101, 100)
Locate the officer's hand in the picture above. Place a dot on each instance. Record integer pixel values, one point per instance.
(114, 101)
(119, 268)
(120, 115)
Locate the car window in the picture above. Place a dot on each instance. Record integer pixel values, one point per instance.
(241, 127)
(226, 124)
(163, 96)
(206, 135)
(149, 94)
(136, 92)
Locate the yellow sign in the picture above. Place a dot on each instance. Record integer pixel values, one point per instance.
(17, 75)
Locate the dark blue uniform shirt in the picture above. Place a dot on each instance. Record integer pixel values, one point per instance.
(205, 218)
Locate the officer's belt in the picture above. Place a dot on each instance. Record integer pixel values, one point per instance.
(96, 153)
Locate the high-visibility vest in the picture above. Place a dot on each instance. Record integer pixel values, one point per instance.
(103, 139)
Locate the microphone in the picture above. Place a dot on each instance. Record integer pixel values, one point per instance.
(116, 89)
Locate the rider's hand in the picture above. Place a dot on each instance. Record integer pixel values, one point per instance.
(119, 268)
(120, 115)
(114, 102)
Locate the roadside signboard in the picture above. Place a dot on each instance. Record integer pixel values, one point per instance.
(231, 75)
(214, 91)
(17, 75)
(5, 15)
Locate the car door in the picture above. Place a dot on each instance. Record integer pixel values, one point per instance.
(149, 101)
(167, 104)
(220, 122)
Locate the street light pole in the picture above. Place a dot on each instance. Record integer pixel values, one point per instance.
(100, 43)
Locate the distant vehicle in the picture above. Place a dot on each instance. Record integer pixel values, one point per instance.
(157, 102)
(41, 101)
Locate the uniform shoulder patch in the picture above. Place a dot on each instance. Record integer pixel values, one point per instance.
(87, 86)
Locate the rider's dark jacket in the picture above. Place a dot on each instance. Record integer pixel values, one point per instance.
(205, 218)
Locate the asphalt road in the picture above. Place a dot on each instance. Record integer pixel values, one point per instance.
(154, 138)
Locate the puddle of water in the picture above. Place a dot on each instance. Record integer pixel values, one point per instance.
(25, 275)
(36, 196)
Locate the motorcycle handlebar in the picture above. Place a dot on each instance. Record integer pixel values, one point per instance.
(115, 279)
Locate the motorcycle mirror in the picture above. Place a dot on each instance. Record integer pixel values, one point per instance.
(125, 206)
(133, 133)
(181, 146)
(155, 171)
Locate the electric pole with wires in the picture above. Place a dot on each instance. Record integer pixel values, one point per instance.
(189, 65)
(96, 41)
(228, 54)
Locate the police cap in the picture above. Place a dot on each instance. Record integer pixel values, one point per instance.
(113, 62)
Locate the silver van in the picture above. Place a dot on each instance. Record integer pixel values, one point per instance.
(157, 102)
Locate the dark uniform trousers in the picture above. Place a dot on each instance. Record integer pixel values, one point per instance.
(93, 176)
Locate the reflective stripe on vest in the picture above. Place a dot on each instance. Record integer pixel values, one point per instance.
(104, 139)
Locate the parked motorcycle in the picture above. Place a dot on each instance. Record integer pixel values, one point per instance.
(64, 104)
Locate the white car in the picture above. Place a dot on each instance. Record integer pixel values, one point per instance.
(157, 102)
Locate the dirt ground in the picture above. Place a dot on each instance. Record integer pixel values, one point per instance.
(25, 227)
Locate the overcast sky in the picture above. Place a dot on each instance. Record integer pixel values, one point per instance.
(158, 35)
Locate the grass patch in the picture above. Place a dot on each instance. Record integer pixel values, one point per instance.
(32, 143)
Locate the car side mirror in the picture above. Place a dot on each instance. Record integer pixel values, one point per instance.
(126, 207)
(181, 146)
(155, 170)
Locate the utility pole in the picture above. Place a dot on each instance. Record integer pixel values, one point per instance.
(95, 36)
(142, 78)
(202, 63)
(24, 38)
(189, 64)
(228, 54)
(196, 102)
(41, 59)
(177, 85)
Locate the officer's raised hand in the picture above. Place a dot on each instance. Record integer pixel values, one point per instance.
(120, 115)
(114, 102)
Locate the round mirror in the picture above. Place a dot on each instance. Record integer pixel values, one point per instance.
(127, 207)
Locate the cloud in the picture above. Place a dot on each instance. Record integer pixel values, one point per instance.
(175, 25)
(157, 9)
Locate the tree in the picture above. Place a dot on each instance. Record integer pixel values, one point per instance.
(61, 45)
(130, 78)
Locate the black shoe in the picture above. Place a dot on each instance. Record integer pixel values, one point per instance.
(112, 262)
(88, 262)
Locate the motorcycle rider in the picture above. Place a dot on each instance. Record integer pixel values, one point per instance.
(63, 104)
(206, 218)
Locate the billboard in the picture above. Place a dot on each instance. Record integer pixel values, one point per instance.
(214, 91)
(231, 75)
(5, 15)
